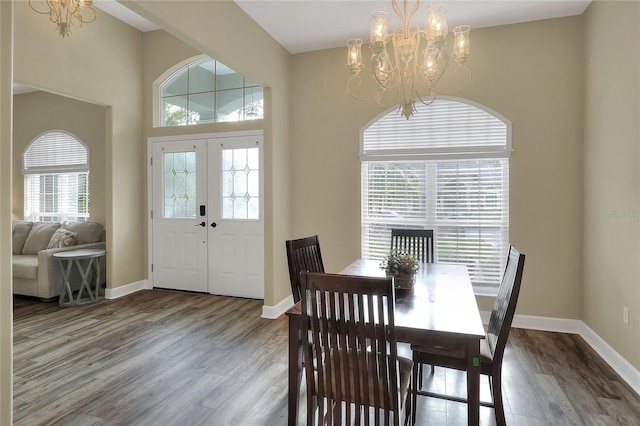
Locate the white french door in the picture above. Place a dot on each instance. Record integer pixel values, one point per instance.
(207, 227)
(236, 243)
(179, 228)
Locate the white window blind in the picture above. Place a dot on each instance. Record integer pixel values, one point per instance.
(55, 152)
(465, 200)
(56, 178)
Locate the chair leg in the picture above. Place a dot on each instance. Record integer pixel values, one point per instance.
(408, 405)
(414, 390)
(496, 389)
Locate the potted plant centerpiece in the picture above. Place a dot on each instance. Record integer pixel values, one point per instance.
(402, 266)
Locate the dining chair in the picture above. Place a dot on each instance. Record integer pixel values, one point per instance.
(418, 242)
(491, 347)
(358, 375)
(303, 254)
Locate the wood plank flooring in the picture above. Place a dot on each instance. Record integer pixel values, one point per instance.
(170, 358)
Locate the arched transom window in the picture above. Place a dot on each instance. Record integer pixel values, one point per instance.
(56, 178)
(446, 169)
(207, 91)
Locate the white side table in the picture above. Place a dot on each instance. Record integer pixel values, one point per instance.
(84, 259)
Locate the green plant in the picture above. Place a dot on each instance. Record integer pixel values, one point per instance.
(399, 262)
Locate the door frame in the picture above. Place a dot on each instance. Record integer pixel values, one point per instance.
(183, 137)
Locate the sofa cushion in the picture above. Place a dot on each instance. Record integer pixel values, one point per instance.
(39, 237)
(86, 232)
(62, 238)
(25, 266)
(21, 230)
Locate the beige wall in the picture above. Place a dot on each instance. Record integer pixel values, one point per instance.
(38, 112)
(221, 30)
(105, 56)
(611, 176)
(532, 74)
(6, 296)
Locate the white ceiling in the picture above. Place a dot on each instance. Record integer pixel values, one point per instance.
(307, 25)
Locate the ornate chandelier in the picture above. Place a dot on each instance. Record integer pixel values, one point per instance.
(411, 70)
(65, 13)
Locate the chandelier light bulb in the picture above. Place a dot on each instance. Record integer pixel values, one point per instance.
(354, 55)
(461, 45)
(378, 26)
(436, 24)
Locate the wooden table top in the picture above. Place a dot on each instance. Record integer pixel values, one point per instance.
(441, 300)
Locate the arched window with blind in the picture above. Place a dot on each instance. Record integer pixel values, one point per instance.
(446, 169)
(56, 178)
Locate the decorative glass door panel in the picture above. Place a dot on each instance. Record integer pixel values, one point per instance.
(241, 183)
(179, 185)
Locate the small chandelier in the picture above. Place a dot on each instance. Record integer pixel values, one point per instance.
(65, 13)
(407, 73)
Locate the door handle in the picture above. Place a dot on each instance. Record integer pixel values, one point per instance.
(213, 224)
(203, 224)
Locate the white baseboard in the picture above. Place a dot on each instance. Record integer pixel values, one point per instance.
(628, 372)
(558, 325)
(123, 290)
(273, 312)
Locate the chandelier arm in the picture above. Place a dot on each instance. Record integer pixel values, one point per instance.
(413, 12)
(376, 97)
(46, 12)
(396, 9)
(87, 21)
(468, 82)
(433, 98)
(392, 101)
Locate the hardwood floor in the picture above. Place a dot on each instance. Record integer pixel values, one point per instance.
(169, 358)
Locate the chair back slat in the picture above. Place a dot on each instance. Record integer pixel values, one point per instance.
(303, 255)
(348, 332)
(504, 306)
(418, 242)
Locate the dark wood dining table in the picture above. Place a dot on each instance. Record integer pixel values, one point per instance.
(441, 305)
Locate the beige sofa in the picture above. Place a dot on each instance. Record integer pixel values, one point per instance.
(35, 271)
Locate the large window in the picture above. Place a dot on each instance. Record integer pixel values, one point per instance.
(446, 169)
(56, 178)
(207, 91)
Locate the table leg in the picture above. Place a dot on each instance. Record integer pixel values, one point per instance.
(84, 275)
(295, 368)
(66, 289)
(97, 284)
(473, 381)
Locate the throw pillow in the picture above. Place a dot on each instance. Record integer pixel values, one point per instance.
(21, 231)
(62, 238)
(87, 232)
(39, 237)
